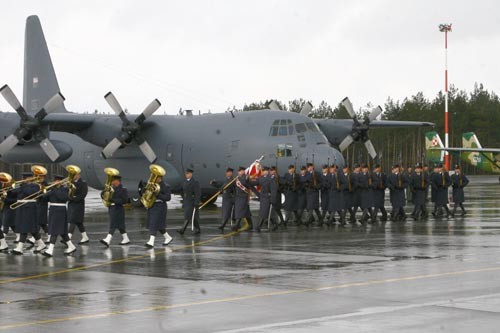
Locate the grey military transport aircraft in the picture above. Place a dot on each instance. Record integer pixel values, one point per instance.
(44, 131)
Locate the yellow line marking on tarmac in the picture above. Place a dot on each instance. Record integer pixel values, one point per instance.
(245, 297)
(117, 261)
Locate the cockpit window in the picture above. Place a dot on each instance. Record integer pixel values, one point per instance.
(283, 131)
(312, 127)
(283, 127)
(300, 128)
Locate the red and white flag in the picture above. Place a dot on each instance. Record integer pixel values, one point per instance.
(255, 169)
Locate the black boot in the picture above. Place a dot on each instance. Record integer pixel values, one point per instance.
(183, 229)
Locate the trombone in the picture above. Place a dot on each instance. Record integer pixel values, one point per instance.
(72, 170)
(5, 178)
(37, 170)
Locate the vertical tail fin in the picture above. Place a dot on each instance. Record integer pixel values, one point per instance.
(40, 82)
(432, 140)
(470, 140)
(480, 160)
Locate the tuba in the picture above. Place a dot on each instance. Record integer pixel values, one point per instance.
(38, 172)
(72, 171)
(5, 179)
(108, 191)
(152, 189)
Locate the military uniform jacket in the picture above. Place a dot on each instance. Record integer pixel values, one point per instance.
(302, 195)
(440, 182)
(116, 211)
(397, 182)
(227, 197)
(191, 194)
(57, 199)
(313, 184)
(324, 188)
(365, 186)
(419, 182)
(357, 190)
(26, 216)
(268, 190)
(291, 186)
(379, 186)
(459, 182)
(9, 215)
(348, 188)
(42, 207)
(242, 196)
(335, 195)
(279, 190)
(76, 205)
(157, 214)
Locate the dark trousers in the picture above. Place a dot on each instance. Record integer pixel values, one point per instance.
(24, 236)
(53, 238)
(80, 226)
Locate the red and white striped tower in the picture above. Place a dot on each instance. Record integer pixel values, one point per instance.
(446, 27)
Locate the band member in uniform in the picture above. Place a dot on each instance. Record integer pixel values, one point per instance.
(58, 222)
(191, 195)
(397, 182)
(302, 195)
(117, 212)
(3, 243)
(324, 181)
(227, 197)
(76, 209)
(365, 185)
(9, 214)
(267, 198)
(157, 214)
(312, 192)
(42, 209)
(273, 172)
(291, 185)
(241, 200)
(440, 182)
(459, 181)
(335, 198)
(26, 216)
(348, 192)
(419, 182)
(379, 186)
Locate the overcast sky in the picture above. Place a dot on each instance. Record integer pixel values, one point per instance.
(208, 55)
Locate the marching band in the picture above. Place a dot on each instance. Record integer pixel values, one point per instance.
(31, 204)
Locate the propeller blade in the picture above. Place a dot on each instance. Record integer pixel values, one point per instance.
(52, 105)
(370, 148)
(348, 106)
(148, 151)
(306, 109)
(49, 149)
(346, 142)
(113, 103)
(10, 142)
(148, 111)
(375, 113)
(111, 148)
(274, 106)
(11, 98)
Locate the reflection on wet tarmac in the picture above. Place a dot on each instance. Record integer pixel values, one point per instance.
(416, 276)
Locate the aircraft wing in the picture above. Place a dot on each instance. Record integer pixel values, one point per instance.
(472, 150)
(69, 122)
(400, 123)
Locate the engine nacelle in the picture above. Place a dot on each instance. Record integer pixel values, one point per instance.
(33, 153)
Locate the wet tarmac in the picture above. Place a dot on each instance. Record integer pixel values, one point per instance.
(437, 275)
